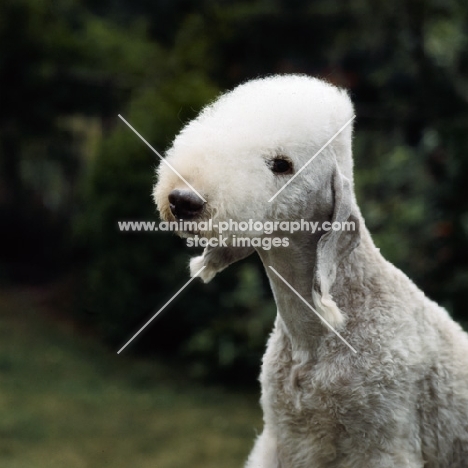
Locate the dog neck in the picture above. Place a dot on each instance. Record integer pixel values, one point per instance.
(295, 264)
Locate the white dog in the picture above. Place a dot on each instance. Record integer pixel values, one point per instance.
(391, 391)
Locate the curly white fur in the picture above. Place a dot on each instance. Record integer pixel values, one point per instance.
(402, 400)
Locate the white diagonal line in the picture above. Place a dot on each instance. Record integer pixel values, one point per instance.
(312, 158)
(159, 156)
(313, 310)
(160, 310)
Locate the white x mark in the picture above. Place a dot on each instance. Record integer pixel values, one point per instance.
(159, 156)
(312, 158)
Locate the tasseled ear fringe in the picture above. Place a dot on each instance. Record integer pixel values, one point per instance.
(327, 308)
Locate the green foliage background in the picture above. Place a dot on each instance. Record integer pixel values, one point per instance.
(70, 169)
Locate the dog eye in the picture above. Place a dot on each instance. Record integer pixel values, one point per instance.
(281, 166)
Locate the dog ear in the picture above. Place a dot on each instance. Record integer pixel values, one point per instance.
(216, 259)
(334, 246)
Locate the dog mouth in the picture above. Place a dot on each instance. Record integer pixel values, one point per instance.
(188, 233)
(200, 226)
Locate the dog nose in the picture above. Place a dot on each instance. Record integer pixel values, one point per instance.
(185, 204)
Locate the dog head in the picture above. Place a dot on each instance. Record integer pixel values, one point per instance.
(233, 160)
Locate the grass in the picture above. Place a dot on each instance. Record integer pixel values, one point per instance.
(66, 401)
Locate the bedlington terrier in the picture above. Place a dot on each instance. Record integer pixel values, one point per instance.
(361, 369)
